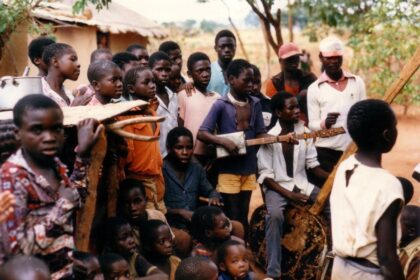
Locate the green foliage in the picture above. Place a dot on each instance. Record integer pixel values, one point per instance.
(80, 5)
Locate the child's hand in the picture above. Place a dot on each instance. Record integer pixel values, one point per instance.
(214, 201)
(88, 132)
(7, 202)
(189, 88)
(81, 98)
(230, 146)
(187, 215)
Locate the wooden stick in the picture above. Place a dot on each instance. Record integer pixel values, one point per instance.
(406, 73)
(87, 213)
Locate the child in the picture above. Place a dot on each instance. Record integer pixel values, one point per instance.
(24, 268)
(156, 237)
(46, 198)
(141, 53)
(62, 63)
(264, 100)
(282, 170)
(197, 268)
(105, 78)
(100, 54)
(35, 50)
(144, 161)
(115, 267)
(237, 111)
(365, 242)
(410, 242)
(209, 228)
(233, 261)
(175, 79)
(174, 52)
(132, 207)
(116, 236)
(193, 109)
(160, 64)
(85, 267)
(125, 61)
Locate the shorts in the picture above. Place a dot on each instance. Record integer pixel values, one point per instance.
(233, 183)
(344, 269)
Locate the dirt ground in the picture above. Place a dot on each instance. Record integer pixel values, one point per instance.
(400, 161)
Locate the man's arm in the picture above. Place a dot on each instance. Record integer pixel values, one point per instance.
(296, 197)
(386, 231)
(314, 112)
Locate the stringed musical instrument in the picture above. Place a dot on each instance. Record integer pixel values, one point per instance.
(239, 139)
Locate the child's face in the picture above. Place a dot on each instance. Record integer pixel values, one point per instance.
(290, 112)
(145, 87)
(143, 56)
(68, 65)
(175, 80)
(119, 271)
(242, 85)
(225, 48)
(161, 71)
(256, 84)
(129, 65)
(163, 245)
(93, 270)
(110, 86)
(183, 150)
(201, 73)
(221, 230)
(236, 263)
(125, 244)
(41, 133)
(134, 205)
(176, 57)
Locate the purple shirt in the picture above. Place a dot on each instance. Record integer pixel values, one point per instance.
(223, 116)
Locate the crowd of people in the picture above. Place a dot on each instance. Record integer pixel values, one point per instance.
(182, 213)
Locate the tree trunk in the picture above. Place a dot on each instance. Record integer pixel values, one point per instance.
(267, 51)
(290, 20)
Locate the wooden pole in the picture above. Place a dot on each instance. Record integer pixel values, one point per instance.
(87, 213)
(406, 73)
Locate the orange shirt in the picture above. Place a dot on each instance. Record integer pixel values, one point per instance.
(270, 89)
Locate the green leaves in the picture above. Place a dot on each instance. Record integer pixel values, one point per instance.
(80, 5)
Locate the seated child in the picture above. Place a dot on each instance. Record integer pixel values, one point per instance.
(125, 61)
(85, 267)
(209, 229)
(197, 268)
(156, 237)
(144, 161)
(24, 268)
(35, 50)
(105, 78)
(365, 242)
(193, 109)
(132, 207)
(233, 261)
(264, 100)
(141, 53)
(160, 64)
(46, 198)
(175, 79)
(410, 242)
(282, 171)
(237, 111)
(116, 236)
(114, 267)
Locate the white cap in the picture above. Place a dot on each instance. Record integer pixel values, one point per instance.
(331, 46)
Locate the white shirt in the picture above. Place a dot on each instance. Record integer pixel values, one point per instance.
(48, 91)
(323, 99)
(271, 162)
(170, 113)
(357, 206)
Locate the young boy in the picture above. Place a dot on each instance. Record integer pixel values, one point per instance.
(160, 64)
(174, 52)
(35, 50)
(282, 171)
(141, 53)
(193, 109)
(24, 268)
(176, 81)
(366, 199)
(125, 61)
(105, 78)
(115, 267)
(197, 268)
(46, 198)
(237, 111)
(100, 54)
(410, 242)
(225, 46)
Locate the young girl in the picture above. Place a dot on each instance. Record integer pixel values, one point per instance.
(209, 228)
(116, 236)
(233, 261)
(156, 237)
(143, 161)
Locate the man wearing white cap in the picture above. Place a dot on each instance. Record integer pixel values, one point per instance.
(329, 100)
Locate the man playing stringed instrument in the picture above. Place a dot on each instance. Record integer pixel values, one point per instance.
(282, 171)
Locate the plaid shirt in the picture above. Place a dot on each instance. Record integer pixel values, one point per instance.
(41, 223)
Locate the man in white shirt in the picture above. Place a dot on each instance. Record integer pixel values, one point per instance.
(329, 100)
(281, 168)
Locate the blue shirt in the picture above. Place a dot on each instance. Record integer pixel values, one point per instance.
(185, 196)
(223, 116)
(217, 80)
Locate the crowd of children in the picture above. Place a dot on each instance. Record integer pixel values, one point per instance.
(182, 213)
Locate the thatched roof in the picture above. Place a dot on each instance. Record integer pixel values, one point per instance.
(115, 19)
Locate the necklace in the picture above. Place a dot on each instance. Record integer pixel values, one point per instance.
(236, 102)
